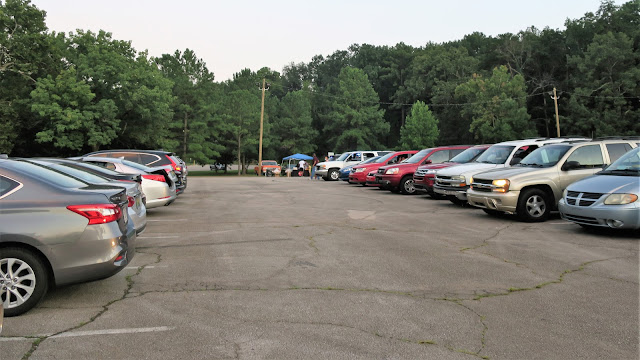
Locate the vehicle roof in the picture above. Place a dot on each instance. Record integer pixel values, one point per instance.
(155, 152)
(534, 141)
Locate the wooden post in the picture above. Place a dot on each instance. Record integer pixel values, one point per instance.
(555, 101)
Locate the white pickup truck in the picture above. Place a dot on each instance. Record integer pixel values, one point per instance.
(329, 170)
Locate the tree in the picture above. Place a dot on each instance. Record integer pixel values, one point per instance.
(292, 130)
(240, 117)
(73, 117)
(195, 103)
(356, 121)
(421, 129)
(604, 101)
(497, 106)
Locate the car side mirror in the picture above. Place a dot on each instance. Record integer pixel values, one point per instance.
(570, 165)
(515, 161)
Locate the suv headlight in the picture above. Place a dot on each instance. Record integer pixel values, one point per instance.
(392, 171)
(501, 185)
(361, 169)
(323, 166)
(620, 199)
(461, 179)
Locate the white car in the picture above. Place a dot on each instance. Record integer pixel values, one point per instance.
(158, 183)
(330, 170)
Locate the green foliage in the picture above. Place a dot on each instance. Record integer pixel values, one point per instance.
(421, 129)
(497, 106)
(73, 117)
(293, 132)
(356, 122)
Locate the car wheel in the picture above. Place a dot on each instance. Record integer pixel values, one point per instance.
(333, 175)
(23, 280)
(533, 205)
(406, 186)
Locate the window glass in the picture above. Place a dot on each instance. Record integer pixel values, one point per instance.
(587, 156)
(629, 162)
(418, 156)
(105, 154)
(150, 159)
(496, 154)
(49, 175)
(455, 152)
(7, 185)
(135, 157)
(369, 155)
(468, 155)
(103, 164)
(439, 156)
(545, 156)
(617, 150)
(72, 171)
(356, 157)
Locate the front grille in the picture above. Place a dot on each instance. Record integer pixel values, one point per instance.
(421, 172)
(444, 177)
(581, 219)
(483, 181)
(576, 198)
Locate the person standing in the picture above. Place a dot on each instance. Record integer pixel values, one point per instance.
(301, 165)
(313, 166)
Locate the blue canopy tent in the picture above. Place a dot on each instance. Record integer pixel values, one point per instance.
(292, 158)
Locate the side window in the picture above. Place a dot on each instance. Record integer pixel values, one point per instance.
(8, 186)
(524, 151)
(105, 165)
(356, 157)
(617, 150)
(147, 159)
(368, 155)
(106, 154)
(135, 157)
(439, 156)
(587, 156)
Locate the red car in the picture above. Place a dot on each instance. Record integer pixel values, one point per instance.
(359, 172)
(425, 175)
(399, 177)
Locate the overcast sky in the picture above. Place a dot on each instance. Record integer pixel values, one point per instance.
(231, 35)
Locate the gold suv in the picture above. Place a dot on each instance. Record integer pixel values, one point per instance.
(532, 188)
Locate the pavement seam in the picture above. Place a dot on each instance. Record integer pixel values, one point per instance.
(105, 308)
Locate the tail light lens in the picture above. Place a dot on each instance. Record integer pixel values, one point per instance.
(154, 177)
(131, 200)
(98, 213)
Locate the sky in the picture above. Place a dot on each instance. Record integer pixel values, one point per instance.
(232, 35)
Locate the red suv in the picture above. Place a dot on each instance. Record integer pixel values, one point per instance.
(425, 175)
(359, 172)
(399, 177)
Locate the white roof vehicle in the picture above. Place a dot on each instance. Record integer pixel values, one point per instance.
(453, 182)
(329, 170)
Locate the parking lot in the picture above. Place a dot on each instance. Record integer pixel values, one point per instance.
(288, 268)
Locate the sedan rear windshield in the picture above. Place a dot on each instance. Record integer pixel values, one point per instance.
(49, 175)
(496, 154)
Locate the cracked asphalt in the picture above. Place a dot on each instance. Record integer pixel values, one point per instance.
(288, 268)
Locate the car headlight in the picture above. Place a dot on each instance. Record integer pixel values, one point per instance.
(461, 179)
(323, 166)
(361, 169)
(620, 199)
(392, 171)
(501, 185)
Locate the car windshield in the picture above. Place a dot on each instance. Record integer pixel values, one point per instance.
(468, 155)
(50, 175)
(269, 163)
(371, 160)
(628, 164)
(80, 174)
(496, 154)
(385, 158)
(545, 156)
(136, 165)
(417, 157)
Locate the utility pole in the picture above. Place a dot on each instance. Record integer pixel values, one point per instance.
(555, 101)
(184, 144)
(264, 88)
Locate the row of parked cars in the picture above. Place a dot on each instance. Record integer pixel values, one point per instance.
(65, 221)
(594, 183)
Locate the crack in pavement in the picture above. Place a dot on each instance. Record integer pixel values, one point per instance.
(105, 308)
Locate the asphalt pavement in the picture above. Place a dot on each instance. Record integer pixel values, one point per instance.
(290, 268)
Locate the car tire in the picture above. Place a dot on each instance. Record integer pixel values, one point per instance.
(333, 175)
(32, 277)
(406, 186)
(533, 205)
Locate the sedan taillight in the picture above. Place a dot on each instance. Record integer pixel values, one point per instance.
(131, 200)
(154, 177)
(98, 213)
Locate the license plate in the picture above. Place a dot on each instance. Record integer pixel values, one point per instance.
(446, 192)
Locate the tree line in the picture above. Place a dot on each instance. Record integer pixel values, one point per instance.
(68, 94)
